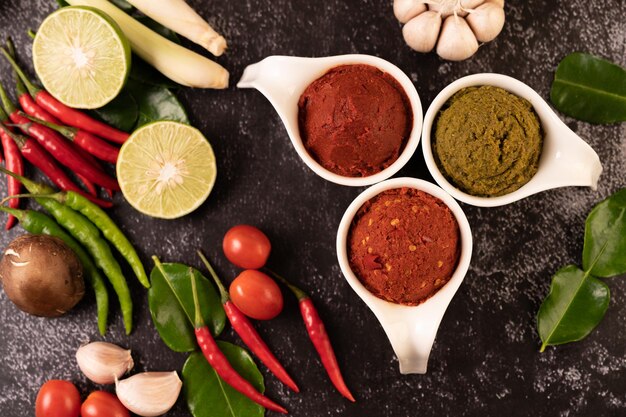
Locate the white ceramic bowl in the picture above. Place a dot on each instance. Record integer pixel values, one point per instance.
(283, 79)
(410, 329)
(566, 159)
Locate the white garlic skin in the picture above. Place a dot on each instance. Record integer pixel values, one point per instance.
(149, 394)
(421, 32)
(486, 21)
(103, 362)
(456, 40)
(405, 10)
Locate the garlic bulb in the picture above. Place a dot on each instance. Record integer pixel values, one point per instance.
(465, 23)
(149, 394)
(103, 362)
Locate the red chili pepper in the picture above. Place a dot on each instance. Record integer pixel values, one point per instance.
(64, 152)
(40, 158)
(58, 146)
(85, 140)
(65, 114)
(14, 163)
(244, 328)
(319, 337)
(29, 105)
(220, 363)
(93, 161)
(32, 109)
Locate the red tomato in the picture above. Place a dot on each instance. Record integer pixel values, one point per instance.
(246, 246)
(103, 404)
(57, 399)
(256, 295)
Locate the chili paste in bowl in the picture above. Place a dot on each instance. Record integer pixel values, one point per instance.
(404, 245)
(355, 120)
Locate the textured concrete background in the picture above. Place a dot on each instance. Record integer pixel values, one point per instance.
(485, 360)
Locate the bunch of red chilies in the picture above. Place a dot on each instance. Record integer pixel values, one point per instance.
(48, 145)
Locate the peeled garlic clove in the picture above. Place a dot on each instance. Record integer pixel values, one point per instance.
(406, 10)
(456, 40)
(498, 2)
(103, 362)
(486, 21)
(149, 394)
(421, 32)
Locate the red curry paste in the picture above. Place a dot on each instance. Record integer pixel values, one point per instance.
(404, 245)
(355, 120)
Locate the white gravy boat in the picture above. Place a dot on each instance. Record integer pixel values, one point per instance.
(283, 79)
(410, 329)
(566, 159)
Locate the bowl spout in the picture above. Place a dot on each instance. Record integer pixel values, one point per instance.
(411, 338)
(570, 160)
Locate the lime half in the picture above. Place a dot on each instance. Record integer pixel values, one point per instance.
(82, 57)
(166, 169)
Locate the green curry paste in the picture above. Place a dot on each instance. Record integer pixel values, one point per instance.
(487, 141)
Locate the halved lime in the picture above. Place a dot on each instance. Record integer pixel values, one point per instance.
(166, 169)
(82, 57)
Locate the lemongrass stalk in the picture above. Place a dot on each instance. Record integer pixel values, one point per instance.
(178, 16)
(172, 60)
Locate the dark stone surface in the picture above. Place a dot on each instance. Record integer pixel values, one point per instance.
(485, 360)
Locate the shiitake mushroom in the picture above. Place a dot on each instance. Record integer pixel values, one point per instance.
(41, 275)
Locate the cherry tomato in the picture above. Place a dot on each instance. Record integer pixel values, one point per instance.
(246, 246)
(57, 399)
(256, 295)
(103, 404)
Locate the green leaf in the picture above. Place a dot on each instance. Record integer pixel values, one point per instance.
(208, 395)
(172, 320)
(156, 103)
(122, 112)
(576, 304)
(590, 89)
(605, 237)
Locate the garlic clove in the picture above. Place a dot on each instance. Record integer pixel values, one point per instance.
(421, 32)
(103, 362)
(456, 40)
(486, 21)
(149, 394)
(406, 10)
(498, 2)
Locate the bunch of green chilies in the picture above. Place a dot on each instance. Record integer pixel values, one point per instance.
(90, 227)
(80, 222)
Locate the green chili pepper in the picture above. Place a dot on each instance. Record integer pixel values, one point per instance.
(89, 236)
(38, 223)
(103, 222)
